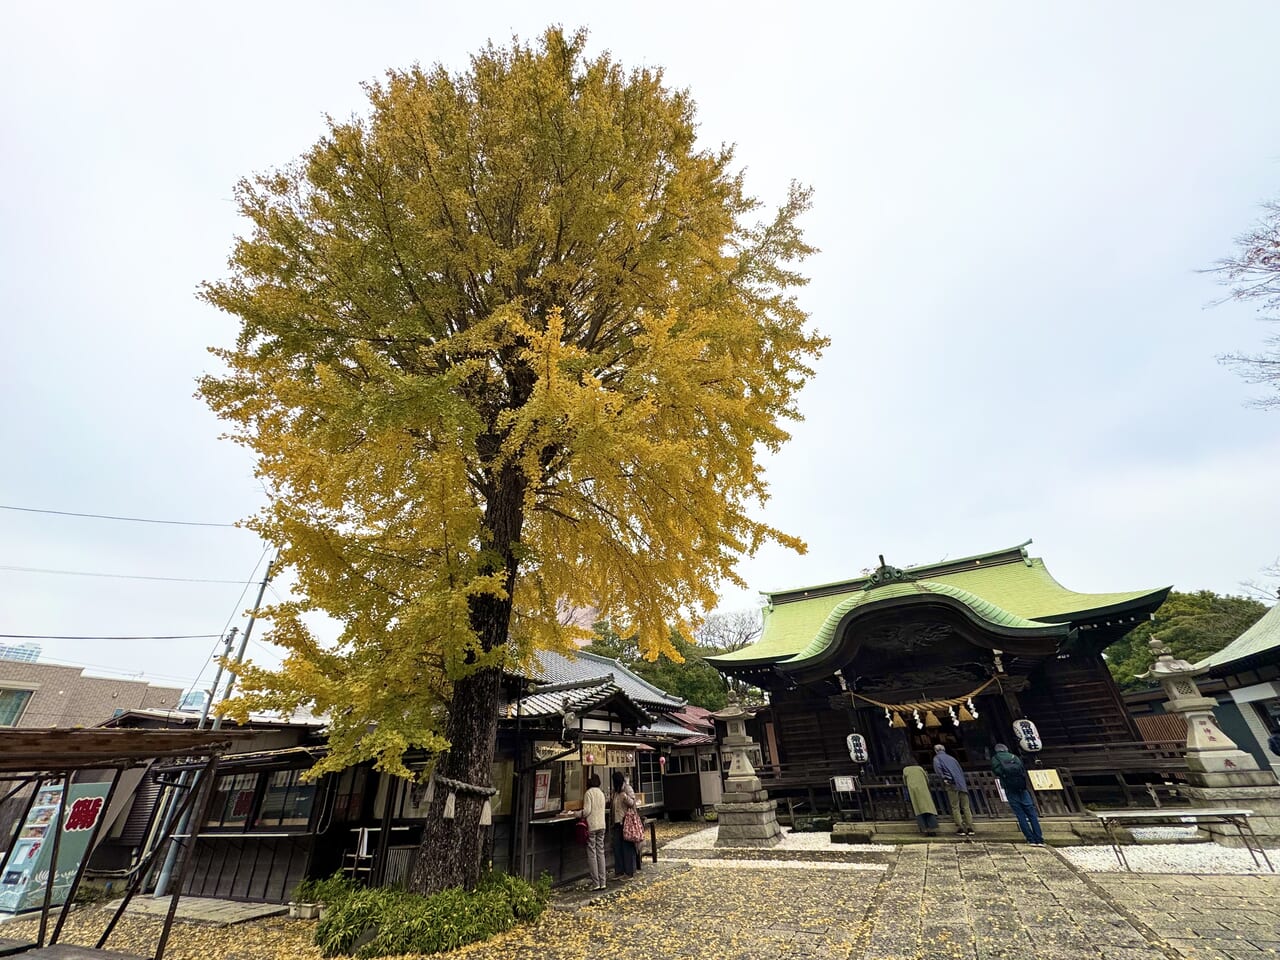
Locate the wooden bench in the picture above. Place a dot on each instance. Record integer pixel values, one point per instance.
(1237, 818)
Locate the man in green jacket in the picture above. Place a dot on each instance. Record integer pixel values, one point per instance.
(1012, 774)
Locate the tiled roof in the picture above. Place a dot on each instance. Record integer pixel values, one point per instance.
(663, 728)
(580, 701)
(1007, 586)
(1262, 637)
(562, 668)
(701, 740)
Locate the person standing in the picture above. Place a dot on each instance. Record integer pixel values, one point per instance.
(593, 810)
(917, 782)
(624, 851)
(1012, 774)
(948, 768)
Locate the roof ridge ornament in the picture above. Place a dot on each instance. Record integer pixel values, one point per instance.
(885, 574)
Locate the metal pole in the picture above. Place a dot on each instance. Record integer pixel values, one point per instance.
(166, 872)
(53, 860)
(209, 784)
(184, 779)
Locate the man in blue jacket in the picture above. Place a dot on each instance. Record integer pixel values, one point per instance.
(948, 768)
(1012, 774)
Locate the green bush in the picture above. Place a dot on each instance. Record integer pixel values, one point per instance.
(381, 922)
(330, 891)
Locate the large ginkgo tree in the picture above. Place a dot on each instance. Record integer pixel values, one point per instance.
(510, 341)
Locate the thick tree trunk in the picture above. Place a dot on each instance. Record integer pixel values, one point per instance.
(452, 851)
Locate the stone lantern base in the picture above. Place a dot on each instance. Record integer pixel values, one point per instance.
(746, 816)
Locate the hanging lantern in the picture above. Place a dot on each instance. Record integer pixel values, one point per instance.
(973, 711)
(965, 715)
(897, 721)
(955, 721)
(930, 720)
(915, 713)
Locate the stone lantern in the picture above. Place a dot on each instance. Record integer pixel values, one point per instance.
(1220, 774)
(745, 814)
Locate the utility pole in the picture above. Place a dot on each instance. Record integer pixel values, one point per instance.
(171, 855)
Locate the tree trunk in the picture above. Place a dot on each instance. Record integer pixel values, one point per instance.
(452, 851)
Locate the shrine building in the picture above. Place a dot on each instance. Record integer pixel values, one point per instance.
(952, 653)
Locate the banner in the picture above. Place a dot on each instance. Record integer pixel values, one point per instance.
(26, 869)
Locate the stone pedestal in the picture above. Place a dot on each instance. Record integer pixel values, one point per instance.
(1219, 773)
(745, 814)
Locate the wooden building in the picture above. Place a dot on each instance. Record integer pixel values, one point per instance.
(986, 640)
(269, 826)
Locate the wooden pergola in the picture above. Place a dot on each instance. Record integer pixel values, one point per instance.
(47, 756)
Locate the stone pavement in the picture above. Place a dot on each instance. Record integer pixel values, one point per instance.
(1205, 917)
(980, 901)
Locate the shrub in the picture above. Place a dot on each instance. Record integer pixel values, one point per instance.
(711, 816)
(379, 922)
(329, 891)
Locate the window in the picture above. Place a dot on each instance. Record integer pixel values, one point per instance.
(287, 800)
(650, 776)
(233, 801)
(681, 763)
(707, 763)
(12, 703)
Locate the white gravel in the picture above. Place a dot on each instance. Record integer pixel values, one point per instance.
(1164, 833)
(783, 864)
(1197, 858)
(706, 840)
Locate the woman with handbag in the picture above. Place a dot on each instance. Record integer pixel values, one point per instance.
(624, 807)
(593, 810)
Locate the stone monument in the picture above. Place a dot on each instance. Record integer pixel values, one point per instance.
(1220, 774)
(745, 814)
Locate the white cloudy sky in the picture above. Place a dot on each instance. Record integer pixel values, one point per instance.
(1013, 201)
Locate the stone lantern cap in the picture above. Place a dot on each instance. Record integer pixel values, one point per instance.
(1165, 664)
(734, 710)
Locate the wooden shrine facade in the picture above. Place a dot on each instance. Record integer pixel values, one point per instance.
(949, 653)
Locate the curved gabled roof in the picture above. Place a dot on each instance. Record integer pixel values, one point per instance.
(1006, 584)
(1262, 638)
(979, 609)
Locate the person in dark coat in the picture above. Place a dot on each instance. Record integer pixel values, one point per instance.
(1012, 774)
(917, 783)
(948, 768)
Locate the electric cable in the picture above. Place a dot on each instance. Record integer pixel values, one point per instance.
(107, 516)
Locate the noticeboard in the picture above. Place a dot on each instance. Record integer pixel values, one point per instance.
(1044, 779)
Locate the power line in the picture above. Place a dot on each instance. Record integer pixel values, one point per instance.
(119, 576)
(53, 636)
(107, 516)
(237, 610)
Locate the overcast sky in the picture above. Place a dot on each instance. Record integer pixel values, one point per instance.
(1014, 203)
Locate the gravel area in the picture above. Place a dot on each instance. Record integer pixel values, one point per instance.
(1192, 858)
(706, 840)
(784, 865)
(1164, 833)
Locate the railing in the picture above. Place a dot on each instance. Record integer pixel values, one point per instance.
(1133, 756)
(886, 798)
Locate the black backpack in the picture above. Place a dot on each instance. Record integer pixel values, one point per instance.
(1013, 772)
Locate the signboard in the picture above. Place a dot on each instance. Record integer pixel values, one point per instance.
(1044, 779)
(26, 869)
(541, 790)
(545, 751)
(845, 784)
(606, 755)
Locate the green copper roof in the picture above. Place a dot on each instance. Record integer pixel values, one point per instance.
(1007, 582)
(1262, 637)
(894, 591)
